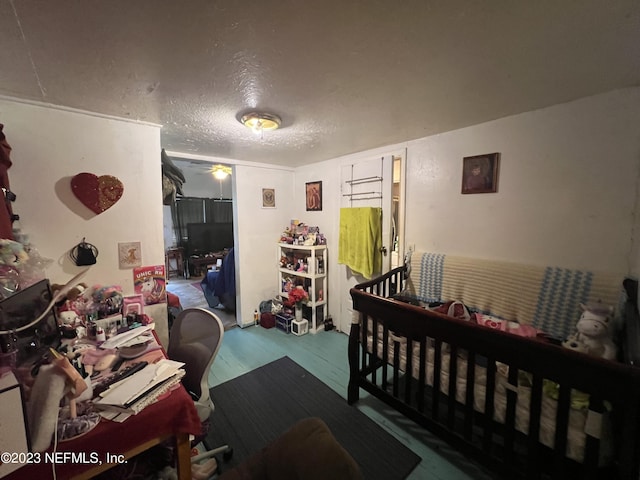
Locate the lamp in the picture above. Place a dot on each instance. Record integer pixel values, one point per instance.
(220, 171)
(260, 122)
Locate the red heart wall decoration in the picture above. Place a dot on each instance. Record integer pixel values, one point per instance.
(97, 193)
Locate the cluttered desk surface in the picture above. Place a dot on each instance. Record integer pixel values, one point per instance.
(133, 400)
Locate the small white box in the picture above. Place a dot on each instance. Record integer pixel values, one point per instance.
(299, 327)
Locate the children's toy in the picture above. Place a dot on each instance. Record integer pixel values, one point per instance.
(594, 332)
(310, 240)
(77, 299)
(12, 253)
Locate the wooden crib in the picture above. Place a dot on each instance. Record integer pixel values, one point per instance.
(525, 407)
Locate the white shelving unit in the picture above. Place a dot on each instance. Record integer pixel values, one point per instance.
(309, 268)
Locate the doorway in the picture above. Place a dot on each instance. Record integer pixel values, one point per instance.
(374, 182)
(200, 223)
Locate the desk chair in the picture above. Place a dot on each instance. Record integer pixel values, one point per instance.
(195, 338)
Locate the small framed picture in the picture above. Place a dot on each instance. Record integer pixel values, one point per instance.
(480, 173)
(129, 255)
(268, 198)
(314, 196)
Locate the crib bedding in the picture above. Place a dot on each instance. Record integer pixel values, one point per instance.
(580, 418)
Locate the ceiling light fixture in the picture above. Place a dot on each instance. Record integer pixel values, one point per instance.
(220, 171)
(260, 122)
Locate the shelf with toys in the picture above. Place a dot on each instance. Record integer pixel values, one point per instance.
(303, 264)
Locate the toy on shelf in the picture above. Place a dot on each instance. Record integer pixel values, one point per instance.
(299, 233)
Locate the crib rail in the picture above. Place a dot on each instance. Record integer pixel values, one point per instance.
(389, 350)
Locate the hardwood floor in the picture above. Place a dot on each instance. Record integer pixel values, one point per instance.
(194, 297)
(325, 356)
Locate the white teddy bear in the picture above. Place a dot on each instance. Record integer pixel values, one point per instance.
(594, 334)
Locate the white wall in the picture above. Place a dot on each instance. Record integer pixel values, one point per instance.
(327, 220)
(567, 190)
(50, 146)
(257, 231)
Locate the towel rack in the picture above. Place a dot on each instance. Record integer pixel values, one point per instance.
(375, 195)
(358, 181)
(371, 195)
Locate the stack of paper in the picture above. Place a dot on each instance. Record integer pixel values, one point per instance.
(142, 388)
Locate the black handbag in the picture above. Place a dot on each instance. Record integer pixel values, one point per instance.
(84, 254)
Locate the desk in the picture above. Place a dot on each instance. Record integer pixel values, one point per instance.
(201, 263)
(172, 417)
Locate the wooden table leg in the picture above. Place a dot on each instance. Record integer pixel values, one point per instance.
(183, 456)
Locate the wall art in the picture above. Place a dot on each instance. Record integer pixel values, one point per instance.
(129, 254)
(314, 196)
(150, 282)
(268, 198)
(97, 193)
(480, 173)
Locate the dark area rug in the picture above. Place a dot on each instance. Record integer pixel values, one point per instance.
(255, 408)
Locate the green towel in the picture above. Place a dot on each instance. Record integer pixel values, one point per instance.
(360, 240)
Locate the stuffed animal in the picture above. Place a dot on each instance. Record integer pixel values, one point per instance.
(594, 332)
(310, 240)
(72, 294)
(12, 253)
(78, 299)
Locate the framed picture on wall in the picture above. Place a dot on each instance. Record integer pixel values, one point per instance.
(129, 255)
(314, 196)
(268, 198)
(480, 173)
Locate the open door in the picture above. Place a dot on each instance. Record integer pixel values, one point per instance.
(370, 183)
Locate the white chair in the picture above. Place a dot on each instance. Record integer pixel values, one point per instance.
(195, 338)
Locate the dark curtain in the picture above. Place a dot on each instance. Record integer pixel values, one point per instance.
(186, 210)
(218, 211)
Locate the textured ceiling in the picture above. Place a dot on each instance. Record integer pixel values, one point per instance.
(344, 75)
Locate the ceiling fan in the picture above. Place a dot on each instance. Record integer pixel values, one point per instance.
(219, 171)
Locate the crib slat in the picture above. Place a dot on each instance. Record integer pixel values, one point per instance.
(510, 417)
(396, 367)
(385, 356)
(453, 376)
(562, 424)
(533, 447)
(592, 446)
(408, 372)
(470, 395)
(437, 368)
(374, 350)
(488, 405)
(364, 323)
(422, 374)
